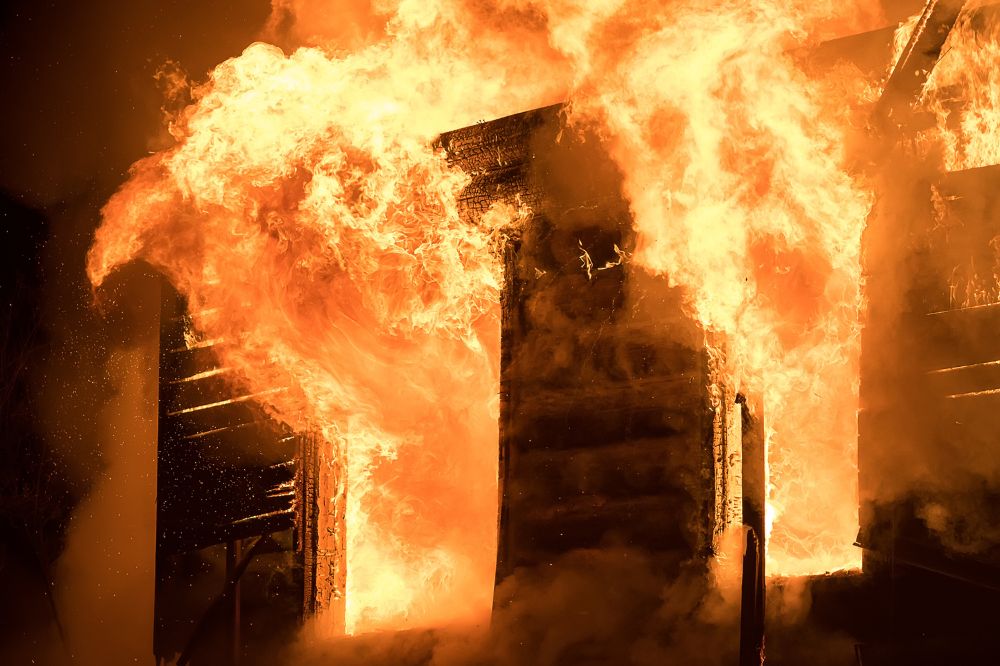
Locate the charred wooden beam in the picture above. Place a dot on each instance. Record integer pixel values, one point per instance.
(328, 537)
(917, 60)
(752, 605)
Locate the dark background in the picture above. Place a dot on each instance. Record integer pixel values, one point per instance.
(80, 103)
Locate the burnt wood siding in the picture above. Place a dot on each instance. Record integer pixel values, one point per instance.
(929, 426)
(606, 425)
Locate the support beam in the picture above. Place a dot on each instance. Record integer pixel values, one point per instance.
(754, 503)
(233, 552)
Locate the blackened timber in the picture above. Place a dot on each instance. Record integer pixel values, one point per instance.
(605, 419)
(236, 566)
(498, 157)
(918, 58)
(752, 604)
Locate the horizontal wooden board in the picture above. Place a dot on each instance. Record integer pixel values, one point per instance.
(189, 536)
(958, 337)
(204, 419)
(965, 379)
(183, 363)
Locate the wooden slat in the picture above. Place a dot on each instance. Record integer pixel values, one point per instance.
(184, 363)
(959, 337)
(256, 443)
(193, 536)
(656, 523)
(237, 411)
(201, 389)
(965, 379)
(616, 470)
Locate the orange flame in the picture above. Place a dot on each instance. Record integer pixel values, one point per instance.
(735, 169)
(963, 92)
(305, 216)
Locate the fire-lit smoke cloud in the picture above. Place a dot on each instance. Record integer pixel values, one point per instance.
(307, 219)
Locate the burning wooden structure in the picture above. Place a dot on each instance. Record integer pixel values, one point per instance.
(615, 431)
(611, 434)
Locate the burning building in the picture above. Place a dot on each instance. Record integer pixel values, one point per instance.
(718, 327)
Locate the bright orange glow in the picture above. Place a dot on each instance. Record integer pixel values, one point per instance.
(305, 216)
(963, 92)
(303, 210)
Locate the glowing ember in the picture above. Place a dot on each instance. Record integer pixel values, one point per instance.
(304, 212)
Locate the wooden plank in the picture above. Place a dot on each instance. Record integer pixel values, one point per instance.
(616, 470)
(964, 379)
(207, 419)
(916, 61)
(201, 389)
(180, 363)
(188, 536)
(276, 442)
(657, 523)
(958, 337)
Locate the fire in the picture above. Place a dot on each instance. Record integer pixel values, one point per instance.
(305, 215)
(963, 93)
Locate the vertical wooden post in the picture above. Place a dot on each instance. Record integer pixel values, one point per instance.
(325, 495)
(233, 554)
(754, 502)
